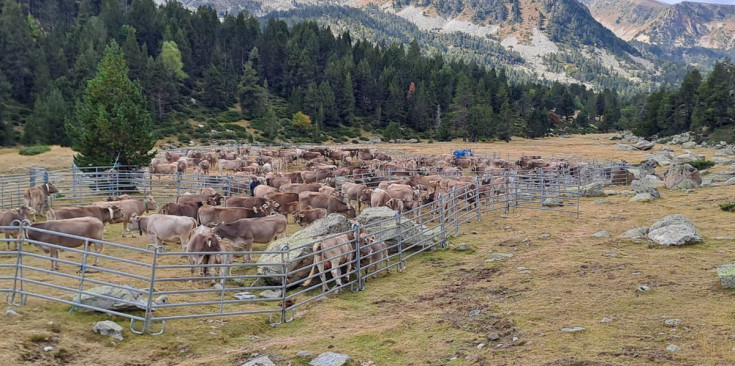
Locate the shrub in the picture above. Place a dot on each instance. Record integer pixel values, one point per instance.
(230, 116)
(702, 164)
(355, 142)
(728, 207)
(363, 138)
(34, 150)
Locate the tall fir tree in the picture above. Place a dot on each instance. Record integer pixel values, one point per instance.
(111, 123)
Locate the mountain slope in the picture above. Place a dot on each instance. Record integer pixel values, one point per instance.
(685, 24)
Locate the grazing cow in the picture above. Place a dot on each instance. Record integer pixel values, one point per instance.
(35, 197)
(306, 216)
(8, 216)
(106, 214)
(300, 187)
(329, 190)
(214, 199)
(379, 198)
(203, 240)
(212, 215)
(234, 165)
(244, 232)
(356, 192)
(330, 203)
(402, 192)
(262, 189)
(160, 228)
(130, 207)
(283, 203)
(85, 227)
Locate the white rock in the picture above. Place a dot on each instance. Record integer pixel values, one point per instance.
(573, 329)
(673, 348)
(260, 361)
(108, 328)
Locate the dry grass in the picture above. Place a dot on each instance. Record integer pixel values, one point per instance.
(12, 162)
(421, 317)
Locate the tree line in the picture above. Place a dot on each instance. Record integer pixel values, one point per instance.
(195, 68)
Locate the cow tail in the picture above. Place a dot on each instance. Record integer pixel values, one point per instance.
(317, 258)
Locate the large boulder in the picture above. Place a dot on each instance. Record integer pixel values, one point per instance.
(118, 299)
(662, 157)
(383, 222)
(330, 359)
(299, 246)
(689, 156)
(726, 273)
(644, 145)
(647, 167)
(689, 145)
(674, 230)
(594, 189)
(624, 147)
(647, 185)
(682, 176)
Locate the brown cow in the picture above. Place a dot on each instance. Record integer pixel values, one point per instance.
(7, 217)
(203, 240)
(300, 187)
(373, 254)
(244, 232)
(35, 197)
(107, 214)
(306, 216)
(214, 200)
(330, 203)
(356, 192)
(164, 168)
(262, 189)
(130, 207)
(84, 227)
(207, 191)
(333, 253)
(283, 203)
(212, 215)
(256, 203)
(181, 209)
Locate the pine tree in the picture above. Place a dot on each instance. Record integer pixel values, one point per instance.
(111, 122)
(461, 104)
(6, 132)
(504, 128)
(45, 125)
(347, 111)
(252, 96)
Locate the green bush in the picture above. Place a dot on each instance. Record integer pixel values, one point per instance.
(355, 142)
(230, 116)
(702, 164)
(34, 150)
(363, 138)
(728, 207)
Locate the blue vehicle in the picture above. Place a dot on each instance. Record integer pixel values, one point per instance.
(463, 153)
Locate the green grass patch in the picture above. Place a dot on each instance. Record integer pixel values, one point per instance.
(728, 207)
(34, 150)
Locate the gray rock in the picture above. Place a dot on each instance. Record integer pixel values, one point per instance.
(413, 141)
(643, 288)
(610, 255)
(730, 150)
(108, 328)
(662, 157)
(462, 247)
(689, 145)
(729, 182)
(48, 349)
(244, 296)
(493, 337)
(627, 193)
(601, 234)
(387, 230)
(481, 346)
(299, 245)
(304, 354)
(673, 322)
(330, 359)
(606, 320)
(724, 238)
(260, 361)
(11, 313)
(682, 177)
(689, 157)
(644, 145)
(553, 202)
(128, 298)
(674, 230)
(573, 329)
(271, 294)
(726, 273)
(610, 192)
(646, 185)
(673, 348)
(722, 161)
(594, 189)
(636, 233)
(624, 147)
(496, 257)
(545, 235)
(474, 313)
(218, 286)
(643, 197)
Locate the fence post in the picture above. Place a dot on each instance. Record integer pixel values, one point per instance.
(178, 184)
(83, 269)
(454, 209)
(507, 192)
(228, 187)
(358, 258)
(18, 277)
(285, 259)
(477, 198)
(149, 304)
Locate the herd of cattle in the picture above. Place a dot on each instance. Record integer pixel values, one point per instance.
(208, 222)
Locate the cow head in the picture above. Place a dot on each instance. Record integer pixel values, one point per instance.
(298, 217)
(150, 204)
(50, 188)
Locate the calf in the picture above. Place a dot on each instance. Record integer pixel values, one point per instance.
(356, 192)
(330, 203)
(244, 232)
(373, 254)
(334, 253)
(35, 197)
(130, 207)
(7, 217)
(203, 240)
(84, 229)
